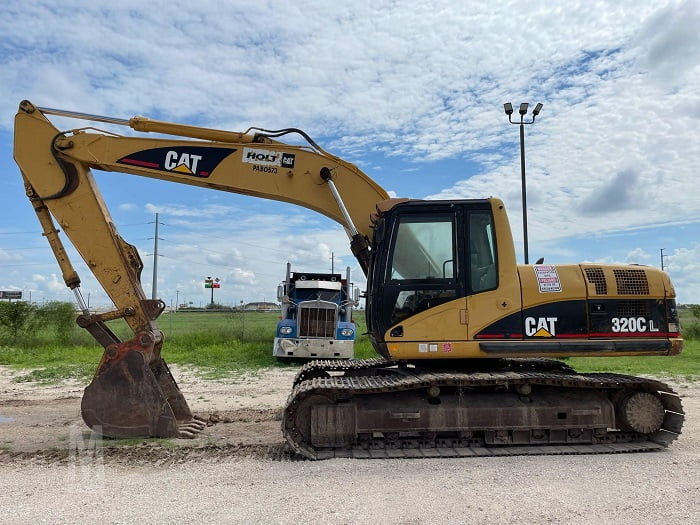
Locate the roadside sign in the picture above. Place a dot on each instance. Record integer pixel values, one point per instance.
(212, 283)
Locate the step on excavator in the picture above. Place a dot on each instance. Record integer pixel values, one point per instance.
(471, 343)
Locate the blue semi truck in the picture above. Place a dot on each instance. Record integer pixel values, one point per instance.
(316, 316)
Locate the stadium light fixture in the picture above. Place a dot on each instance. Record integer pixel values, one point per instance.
(508, 107)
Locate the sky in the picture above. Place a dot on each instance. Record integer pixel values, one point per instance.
(410, 91)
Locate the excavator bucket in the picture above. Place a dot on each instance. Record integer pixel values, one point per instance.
(129, 398)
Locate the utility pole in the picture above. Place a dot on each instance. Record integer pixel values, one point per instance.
(154, 289)
(662, 258)
(242, 321)
(332, 262)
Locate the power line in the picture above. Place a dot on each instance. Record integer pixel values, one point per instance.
(234, 242)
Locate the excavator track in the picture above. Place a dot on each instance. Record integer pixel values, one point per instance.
(386, 409)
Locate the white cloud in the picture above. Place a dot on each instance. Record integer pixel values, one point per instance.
(670, 43)
(421, 83)
(7, 256)
(182, 210)
(683, 265)
(638, 256)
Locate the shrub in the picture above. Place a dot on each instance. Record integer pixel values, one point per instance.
(695, 310)
(60, 317)
(692, 331)
(26, 323)
(17, 318)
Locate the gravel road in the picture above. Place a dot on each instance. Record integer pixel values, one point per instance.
(229, 478)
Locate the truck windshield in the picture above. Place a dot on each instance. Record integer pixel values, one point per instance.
(312, 295)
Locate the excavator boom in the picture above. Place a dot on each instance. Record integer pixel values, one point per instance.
(133, 392)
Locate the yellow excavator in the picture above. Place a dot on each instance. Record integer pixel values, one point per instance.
(468, 338)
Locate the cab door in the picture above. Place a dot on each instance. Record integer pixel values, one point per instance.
(419, 268)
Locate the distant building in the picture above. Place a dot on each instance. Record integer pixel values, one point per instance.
(262, 307)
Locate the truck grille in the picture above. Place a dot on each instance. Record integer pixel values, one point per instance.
(317, 319)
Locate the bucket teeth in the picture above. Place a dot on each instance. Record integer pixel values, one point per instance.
(190, 429)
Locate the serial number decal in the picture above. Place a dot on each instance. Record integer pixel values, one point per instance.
(633, 324)
(265, 169)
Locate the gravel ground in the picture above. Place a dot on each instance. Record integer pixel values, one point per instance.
(238, 472)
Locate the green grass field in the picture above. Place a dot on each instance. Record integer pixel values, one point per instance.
(222, 344)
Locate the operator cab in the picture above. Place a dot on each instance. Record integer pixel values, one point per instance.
(426, 253)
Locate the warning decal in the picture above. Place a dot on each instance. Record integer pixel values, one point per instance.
(547, 278)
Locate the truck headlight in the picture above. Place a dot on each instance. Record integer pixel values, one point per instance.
(346, 332)
(286, 330)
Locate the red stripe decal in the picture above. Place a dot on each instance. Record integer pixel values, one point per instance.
(621, 335)
(140, 163)
(499, 336)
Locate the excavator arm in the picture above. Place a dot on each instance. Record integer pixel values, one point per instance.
(133, 392)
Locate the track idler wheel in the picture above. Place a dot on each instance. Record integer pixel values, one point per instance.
(316, 422)
(640, 412)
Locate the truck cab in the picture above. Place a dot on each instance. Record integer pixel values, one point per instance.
(316, 316)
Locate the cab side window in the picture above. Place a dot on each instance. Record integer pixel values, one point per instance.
(483, 268)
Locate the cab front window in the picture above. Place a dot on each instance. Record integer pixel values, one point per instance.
(422, 269)
(423, 249)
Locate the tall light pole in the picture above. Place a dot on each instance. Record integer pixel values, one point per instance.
(508, 107)
(662, 258)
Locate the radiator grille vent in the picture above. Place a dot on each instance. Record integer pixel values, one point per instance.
(632, 309)
(631, 282)
(318, 320)
(596, 277)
